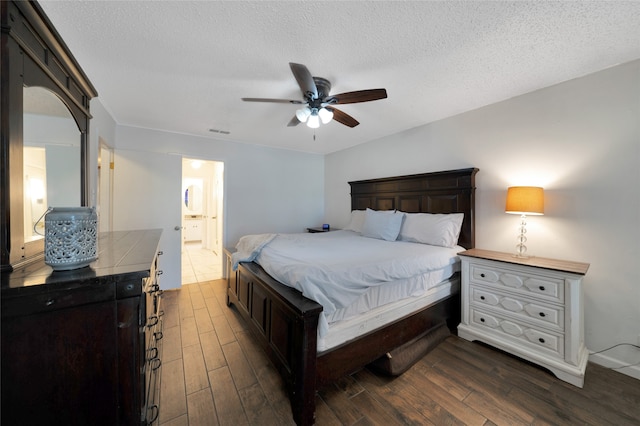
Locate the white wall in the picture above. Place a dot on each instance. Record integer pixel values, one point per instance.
(580, 140)
(265, 190)
(102, 126)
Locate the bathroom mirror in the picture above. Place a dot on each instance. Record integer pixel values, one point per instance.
(193, 198)
(52, 160)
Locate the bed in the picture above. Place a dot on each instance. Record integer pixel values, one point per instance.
(286, 323)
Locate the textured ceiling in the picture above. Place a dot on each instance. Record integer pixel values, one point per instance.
(183, 66)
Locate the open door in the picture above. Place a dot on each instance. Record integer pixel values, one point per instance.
(147, 187)
(105, 186)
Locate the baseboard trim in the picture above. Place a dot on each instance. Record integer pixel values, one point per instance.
(608, 362)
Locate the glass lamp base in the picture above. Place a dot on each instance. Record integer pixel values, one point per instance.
(521, 249)
(521, 252)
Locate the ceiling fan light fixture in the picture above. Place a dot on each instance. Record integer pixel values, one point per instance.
(303, 114)
(314, 120)
(317, 105)
(325, 115)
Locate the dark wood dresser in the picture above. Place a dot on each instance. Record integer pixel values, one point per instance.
(81, 347)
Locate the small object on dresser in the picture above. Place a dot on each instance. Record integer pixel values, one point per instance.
(70, 237)
(325, 226)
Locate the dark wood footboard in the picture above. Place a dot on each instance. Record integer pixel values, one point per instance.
(285, 323)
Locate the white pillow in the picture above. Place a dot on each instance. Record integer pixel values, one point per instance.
(356, 222)
(383, 225)
(434, 229)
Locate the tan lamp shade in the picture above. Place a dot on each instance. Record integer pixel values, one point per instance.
(525, 200)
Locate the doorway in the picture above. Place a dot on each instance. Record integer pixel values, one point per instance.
(105, 186)
(202, 220)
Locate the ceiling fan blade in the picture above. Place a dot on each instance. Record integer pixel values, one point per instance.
(359, 96)
(343, 117)
(305, 80)
(294, 122)
(279, 101)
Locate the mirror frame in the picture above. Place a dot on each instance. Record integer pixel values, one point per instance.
(33, 54)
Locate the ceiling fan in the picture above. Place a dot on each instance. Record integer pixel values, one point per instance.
(318, 103)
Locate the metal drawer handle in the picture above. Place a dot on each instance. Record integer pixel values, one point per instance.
(481, 319)
(129, 287)
(482, 275)
(155, 353)
(542, 288)
(156, 364)
(50, 302)
(541, 340)
(542, 314)
(481, 297)
(153, 320)
(154, 411)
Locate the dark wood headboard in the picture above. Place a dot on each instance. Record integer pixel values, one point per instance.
(451, 191)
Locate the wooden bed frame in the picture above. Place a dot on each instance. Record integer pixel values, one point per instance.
(285, 322)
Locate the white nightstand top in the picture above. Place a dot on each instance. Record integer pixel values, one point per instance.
(538, 262)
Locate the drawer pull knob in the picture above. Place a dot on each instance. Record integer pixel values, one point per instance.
(129, 287)
(481, 319)
(50, 302)
(542, 314)
(542, 288)
(481, 297)
(541, 340)
(482, 275)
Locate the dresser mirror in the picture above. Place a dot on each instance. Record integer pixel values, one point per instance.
(44, 156)
(52, 158)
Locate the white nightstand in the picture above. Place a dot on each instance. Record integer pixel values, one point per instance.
(531, 308)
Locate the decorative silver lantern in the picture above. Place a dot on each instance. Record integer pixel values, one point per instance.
(70, 237)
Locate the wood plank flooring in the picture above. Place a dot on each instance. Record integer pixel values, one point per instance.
(213, 373)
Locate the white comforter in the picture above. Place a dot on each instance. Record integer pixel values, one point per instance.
(335, 268)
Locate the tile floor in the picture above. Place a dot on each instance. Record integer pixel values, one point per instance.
(199, 264)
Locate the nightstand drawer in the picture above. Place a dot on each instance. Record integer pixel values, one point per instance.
(535, 285)
(549, 316)
(524, 333)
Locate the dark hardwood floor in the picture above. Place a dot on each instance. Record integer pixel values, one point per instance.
(214, 374)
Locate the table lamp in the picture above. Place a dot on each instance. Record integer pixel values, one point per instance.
(524, 200)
